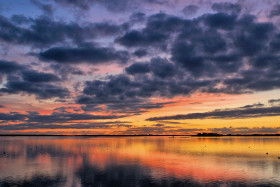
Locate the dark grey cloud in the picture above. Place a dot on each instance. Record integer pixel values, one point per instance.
(162, 68)
(158, 125)
(66, 117)
(145, 130)
(171, 122)
(55, 117)
(254, 38)
(22, 79)
(226, 7)
(220, 21)
(253, 105)
(159, 67)
(141, 38)
(275, 11)
(235, 113)
(184, 54)
(35, 126)
(35, 180)
(130, 94)
(250, 82)
(11, 116)
(272, 101)
(42, 90)
(164, 23)
(88, 54)
(122, 87)
(222, 52)
(59, 120)
(190, 10)
(160, 129)
(156, 33)
(112, 6)
(43, 32)
(245, 130)
(65, 109)
(34, 76)
(135, 108)
(131, 106)
(19, 19)
(9, 67)
(137, 68)
(1, 106)
(275, 43)
(137, 17)
(140, 53)
(223, 130)
(46, 8)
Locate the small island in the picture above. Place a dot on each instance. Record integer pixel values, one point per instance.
(208, 134)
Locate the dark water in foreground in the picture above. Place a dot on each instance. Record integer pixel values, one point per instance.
(139, 161)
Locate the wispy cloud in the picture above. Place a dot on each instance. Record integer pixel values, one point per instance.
(248, 111)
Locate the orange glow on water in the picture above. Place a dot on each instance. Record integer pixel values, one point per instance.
(199, 159)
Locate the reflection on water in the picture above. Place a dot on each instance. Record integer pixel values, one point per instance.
(139, 161)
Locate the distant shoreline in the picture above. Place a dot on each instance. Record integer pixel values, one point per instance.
(218, 135)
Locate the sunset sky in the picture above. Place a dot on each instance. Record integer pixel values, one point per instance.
(139, 66)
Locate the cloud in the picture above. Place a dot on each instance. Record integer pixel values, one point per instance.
(275, 11)
(137, 17)
(33, 76)
(66, 109)
(93, 55)
(141, 38)
(131, 106)
(162, 129)
(35, 180)
(228, 51)
(55, 117)
(46, 8)
(156, 34)
(158, 125)
(22, 79)
(41, 89)
(124, 88)
(220, 21)
(202, 58)
(112, 6)
(235, 113)
(67, 117)
(159, 67)
(9, 67)
(272, 101)
(137, 68)
(145, 130)
(162, 68)
(227, 7)
(44, 32)
(59, 119)
(246, 130)
(36, 126)
(253, 105)
(190, 10)
(140, 53)
(11, 116)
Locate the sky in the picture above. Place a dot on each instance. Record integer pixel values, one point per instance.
(139, 67)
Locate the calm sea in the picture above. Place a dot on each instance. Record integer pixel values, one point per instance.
(139, 161)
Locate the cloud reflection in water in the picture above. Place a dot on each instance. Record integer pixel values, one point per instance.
(139, 161)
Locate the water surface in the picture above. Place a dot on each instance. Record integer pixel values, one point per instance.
(139, 161)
